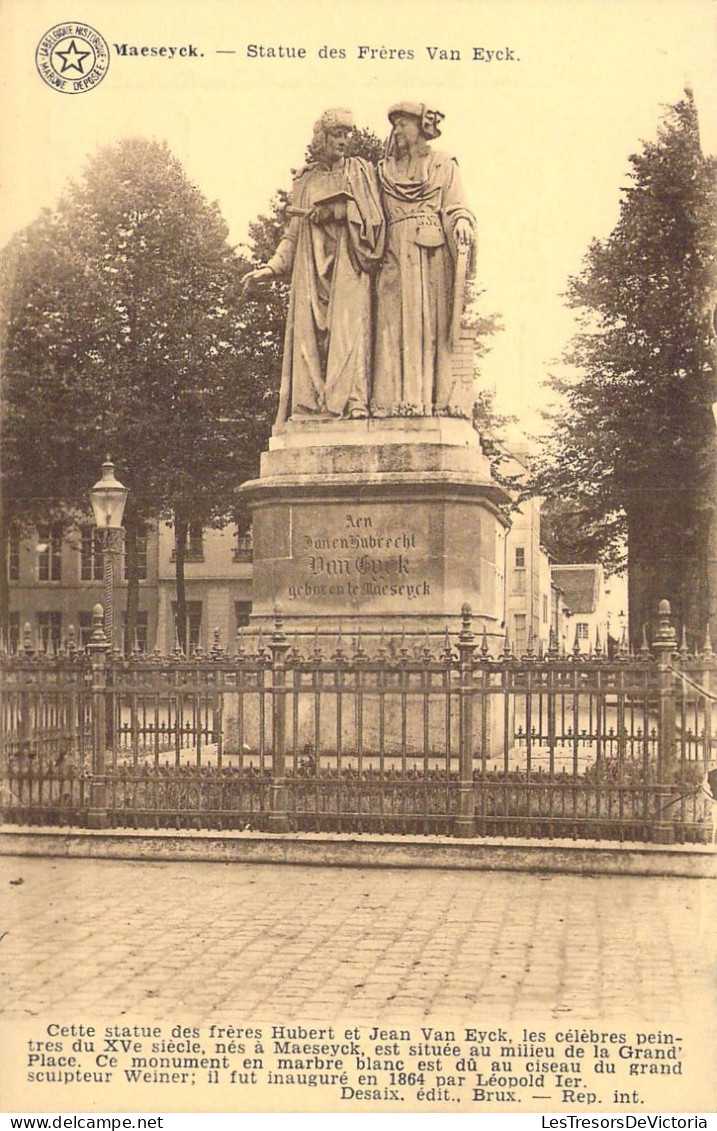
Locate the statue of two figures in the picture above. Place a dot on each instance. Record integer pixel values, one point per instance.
(378, 258)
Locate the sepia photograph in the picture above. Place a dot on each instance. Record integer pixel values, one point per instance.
(358, 600)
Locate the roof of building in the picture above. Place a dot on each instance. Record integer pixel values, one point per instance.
(580, 585)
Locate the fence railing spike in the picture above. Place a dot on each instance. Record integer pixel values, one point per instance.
(645, 646)
(598, 642)
(484, 649)
(359, 651)
(403, 652)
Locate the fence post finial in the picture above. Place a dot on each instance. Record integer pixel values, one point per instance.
(466, 620)
(278, 620)
(216, 649)
(98, 641)
(665, 641)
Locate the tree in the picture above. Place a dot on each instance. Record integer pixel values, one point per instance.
(633, 449)
(120, 335)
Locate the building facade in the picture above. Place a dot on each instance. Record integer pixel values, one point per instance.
(218, 572)
(583, 593)
(55, 576)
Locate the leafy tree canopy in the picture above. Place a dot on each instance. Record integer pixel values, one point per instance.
(630, 460)
(120, 335)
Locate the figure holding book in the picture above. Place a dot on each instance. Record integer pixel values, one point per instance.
(333, 241)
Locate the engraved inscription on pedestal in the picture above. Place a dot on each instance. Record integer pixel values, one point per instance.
(363, 563)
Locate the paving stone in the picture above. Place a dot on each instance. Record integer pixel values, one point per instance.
(167, 939)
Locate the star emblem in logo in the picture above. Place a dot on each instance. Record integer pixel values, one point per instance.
(72, 58)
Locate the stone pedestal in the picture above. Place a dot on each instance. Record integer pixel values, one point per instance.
(384, 524)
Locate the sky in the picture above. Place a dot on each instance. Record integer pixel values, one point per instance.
(542, 128)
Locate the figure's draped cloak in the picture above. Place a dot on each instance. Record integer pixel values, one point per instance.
(327, 346)
(423, 201)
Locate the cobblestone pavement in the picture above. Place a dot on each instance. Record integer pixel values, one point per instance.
(255, 942)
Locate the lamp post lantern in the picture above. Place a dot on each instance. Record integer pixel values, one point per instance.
(108, 498)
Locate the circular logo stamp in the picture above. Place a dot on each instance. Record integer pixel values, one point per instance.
(72, 58)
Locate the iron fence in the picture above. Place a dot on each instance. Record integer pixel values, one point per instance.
(411, 739)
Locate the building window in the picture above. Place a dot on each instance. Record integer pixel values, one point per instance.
(582, 629)
(91, 558)
(85, 634)
(50, 626)
(545, 608)
(519, 630)
(194, 623)
(49, 552)
(13, 633)
(244, 548)
(141, 630)
(242, 610)
(13, 556)
(141, 555)
(520, 557)
(195, 541)
(195, 544)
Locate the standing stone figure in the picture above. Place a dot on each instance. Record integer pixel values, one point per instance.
(333, 241)
(422, 275)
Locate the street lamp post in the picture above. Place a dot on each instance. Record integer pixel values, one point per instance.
(108, 498)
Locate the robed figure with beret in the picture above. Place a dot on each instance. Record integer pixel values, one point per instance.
(420, 284)
(333, 242)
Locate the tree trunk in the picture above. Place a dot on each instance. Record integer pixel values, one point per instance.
(181, 533)
(668, 558)
(4, 576)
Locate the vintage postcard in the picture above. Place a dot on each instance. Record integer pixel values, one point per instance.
(244, 871)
